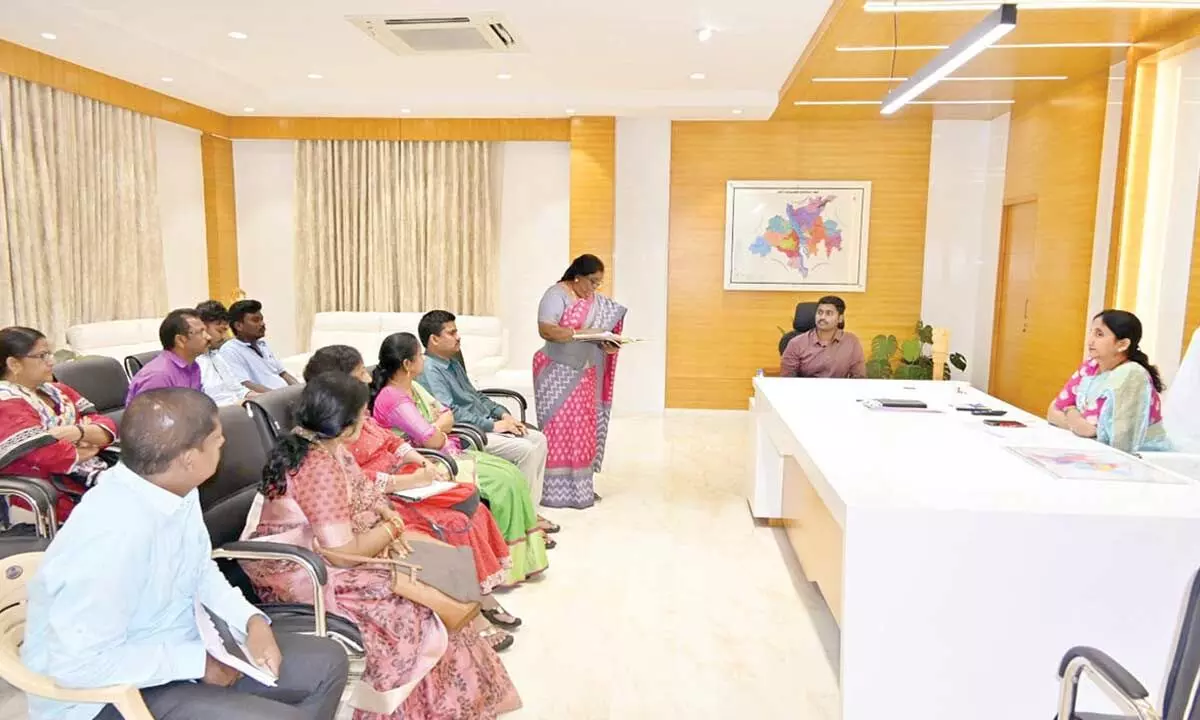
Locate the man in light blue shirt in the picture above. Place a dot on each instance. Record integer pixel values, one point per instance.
(216, 378)
(114, 601)
(247, 355)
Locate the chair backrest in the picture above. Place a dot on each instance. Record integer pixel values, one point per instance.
(276, 411)
(1185, 659)
(99, 379)
(134, 363)
(803, 320)
(226, 497)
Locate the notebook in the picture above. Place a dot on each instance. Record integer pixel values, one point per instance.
(427, 491)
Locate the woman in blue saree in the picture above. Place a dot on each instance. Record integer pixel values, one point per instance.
(1114, 396)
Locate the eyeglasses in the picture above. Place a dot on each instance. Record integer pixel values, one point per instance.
(43, 356)
(593, 281)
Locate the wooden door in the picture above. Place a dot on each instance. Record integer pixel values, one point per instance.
(1014, 290)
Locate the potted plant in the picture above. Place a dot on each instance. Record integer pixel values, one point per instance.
(911, 359)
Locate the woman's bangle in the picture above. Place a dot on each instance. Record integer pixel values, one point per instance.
(81, 434)
(392, 531)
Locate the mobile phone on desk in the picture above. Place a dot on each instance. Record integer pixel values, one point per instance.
(988, 412)
(1004, 423)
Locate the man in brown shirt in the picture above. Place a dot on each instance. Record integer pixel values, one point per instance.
(826, 351)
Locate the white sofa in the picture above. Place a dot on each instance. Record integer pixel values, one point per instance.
(484, 346)
(116, 338)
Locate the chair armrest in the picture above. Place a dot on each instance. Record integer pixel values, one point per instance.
(1106, 672)
(511, 395)
(477, 437)
(305, 558)
(41, 495)
(445, 460)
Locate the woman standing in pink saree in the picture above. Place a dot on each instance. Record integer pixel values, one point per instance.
(573, 381)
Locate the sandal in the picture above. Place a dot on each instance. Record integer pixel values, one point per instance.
(497, 639)
(596, 497)
(500, 617)
(547, 527)
(551, 543)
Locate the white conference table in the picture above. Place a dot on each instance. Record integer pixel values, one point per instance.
(959, 573)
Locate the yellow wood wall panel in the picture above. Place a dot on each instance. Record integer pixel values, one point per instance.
(716, 339)
(447, 129)
(1054, 157)
(220, 216)
(22, 62)
(593, 188)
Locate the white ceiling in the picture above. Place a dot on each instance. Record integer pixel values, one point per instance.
(598, 57)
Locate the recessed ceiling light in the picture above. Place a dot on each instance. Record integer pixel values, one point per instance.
(570, 111)
(315, 76)
(504, 76)
(698, 76)
(705, 34)
(168, 79)
(882, 6)
(50, 36)
(238, 35)
(248, 109)
(405, 111)
(737, 111)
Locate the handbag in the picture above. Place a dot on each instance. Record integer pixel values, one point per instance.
(453, 602)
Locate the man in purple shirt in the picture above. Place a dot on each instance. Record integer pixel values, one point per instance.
(183, 339)
(826, 351)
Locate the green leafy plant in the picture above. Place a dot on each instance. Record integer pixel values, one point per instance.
(911, 359)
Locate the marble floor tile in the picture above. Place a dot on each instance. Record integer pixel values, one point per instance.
(666, 598)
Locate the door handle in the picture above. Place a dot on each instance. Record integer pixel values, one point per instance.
(1025, 317)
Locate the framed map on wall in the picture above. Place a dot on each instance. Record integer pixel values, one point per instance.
(797, 235)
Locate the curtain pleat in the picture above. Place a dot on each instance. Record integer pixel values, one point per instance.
(79, 226)
(393, 226)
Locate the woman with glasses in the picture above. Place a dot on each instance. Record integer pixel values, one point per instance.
(573, 381)
(46, 428)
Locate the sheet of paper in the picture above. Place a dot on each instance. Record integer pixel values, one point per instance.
(1104, 464)
(221, 643)
(437, 487)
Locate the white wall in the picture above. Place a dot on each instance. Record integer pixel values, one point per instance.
(181, 213)
(531, 184)
(962, 235)
(264, 179)
(1170, 218)
(1106, 193)
(643, 197)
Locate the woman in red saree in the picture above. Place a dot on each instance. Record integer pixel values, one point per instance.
(318, 498)
(573, 381)
(455, 517)
(46, 428)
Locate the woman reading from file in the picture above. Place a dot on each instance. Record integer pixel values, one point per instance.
(573, 381)
(317, 497)
(1114, 396)
(46, 428)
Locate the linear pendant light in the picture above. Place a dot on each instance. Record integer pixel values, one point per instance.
(995, 26)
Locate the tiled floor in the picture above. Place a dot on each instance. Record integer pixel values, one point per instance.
(665, 599)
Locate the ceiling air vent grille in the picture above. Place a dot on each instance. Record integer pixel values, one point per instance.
(456, 34)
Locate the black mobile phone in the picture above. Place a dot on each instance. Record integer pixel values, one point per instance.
(988, 412)
(1004, 423)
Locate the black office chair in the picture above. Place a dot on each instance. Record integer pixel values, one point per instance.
(274, 413)
(101, 380)
(134, 363)
(225, 501)
(502, 394)
(803, 320)
(1179, 694)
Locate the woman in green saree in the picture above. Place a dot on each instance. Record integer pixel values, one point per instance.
(402, 405)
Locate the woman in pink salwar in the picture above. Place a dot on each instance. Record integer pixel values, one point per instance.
(318, 498)
(573, 381)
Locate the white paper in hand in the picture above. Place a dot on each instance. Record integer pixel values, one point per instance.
(437, 487)
(224, 647)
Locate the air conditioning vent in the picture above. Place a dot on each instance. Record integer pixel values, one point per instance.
(421, 35)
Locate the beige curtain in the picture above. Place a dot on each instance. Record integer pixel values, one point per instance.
(79, 229)
(393, 226)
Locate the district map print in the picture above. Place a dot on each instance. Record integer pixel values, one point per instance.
(796, 236)
(802, 234)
